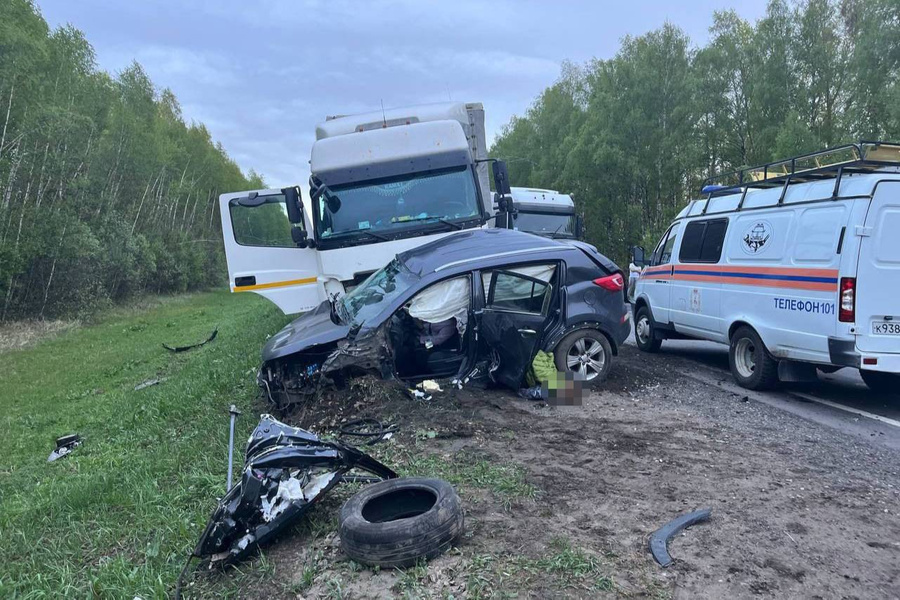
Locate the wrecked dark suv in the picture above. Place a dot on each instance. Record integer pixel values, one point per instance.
(473, 305)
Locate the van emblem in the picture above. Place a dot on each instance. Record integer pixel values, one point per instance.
(757, 237)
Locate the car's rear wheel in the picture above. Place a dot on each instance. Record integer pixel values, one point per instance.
(585, 352)
(883, 383)
(644, 335)
(751, 364)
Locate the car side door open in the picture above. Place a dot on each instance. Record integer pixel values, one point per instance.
(514, 319)
(265, 254)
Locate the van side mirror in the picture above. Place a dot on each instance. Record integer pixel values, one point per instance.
(294, 204)
(501, 178)
(637, 256)
(579, 227)
(502, 221)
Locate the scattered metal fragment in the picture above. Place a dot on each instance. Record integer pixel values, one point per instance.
(373, 429)
(234, 412)
(149, 383)
(64, 446)
(211, 337)
(286, 471)
(659, 540)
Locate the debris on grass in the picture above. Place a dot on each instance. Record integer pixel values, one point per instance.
(211, 337)
(149, 383)
(64, 446)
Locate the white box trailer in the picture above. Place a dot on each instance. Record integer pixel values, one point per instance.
(381, 183)
(797, 264)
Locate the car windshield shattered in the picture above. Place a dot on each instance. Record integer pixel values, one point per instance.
(367, 300)
(388, 205)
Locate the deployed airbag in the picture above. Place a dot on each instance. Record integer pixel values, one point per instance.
(442, 301)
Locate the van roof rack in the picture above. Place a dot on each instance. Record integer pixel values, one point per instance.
(831, 163)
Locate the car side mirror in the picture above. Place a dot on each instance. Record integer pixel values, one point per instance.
(637, 256)
(294, 204)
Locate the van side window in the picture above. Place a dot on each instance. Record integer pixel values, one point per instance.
(663, 254)
(703, 241)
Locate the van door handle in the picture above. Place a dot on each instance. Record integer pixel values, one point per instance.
(527, 331)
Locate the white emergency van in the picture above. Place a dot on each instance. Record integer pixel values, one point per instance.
(795, 265)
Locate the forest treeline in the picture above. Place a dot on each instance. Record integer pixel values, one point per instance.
(105, 191)
(633, 137)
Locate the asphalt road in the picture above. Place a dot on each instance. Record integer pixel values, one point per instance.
(840, 400)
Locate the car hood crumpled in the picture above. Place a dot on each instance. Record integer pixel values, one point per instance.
(309, 329)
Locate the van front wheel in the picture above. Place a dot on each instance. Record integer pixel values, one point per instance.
(884, 383)
(751, 364)
(644, 336)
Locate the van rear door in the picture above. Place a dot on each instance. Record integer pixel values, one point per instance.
(263, 257)
(878, 273)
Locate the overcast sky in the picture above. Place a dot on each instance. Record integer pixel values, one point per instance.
(260, 74)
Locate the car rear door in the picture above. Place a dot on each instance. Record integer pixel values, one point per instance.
(262, 255)
(878, 273)
(513, 320)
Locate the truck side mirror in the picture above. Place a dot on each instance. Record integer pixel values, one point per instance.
(637, 256)
(579, 227)
(502, 221)
(501, 178)
(299, 236)
(294, 205)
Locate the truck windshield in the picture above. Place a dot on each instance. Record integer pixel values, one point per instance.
(369, 209)
(368, 298)
(547, 224)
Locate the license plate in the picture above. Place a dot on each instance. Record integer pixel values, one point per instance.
(886, 328)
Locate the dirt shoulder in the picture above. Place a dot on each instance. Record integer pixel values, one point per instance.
(560, 502)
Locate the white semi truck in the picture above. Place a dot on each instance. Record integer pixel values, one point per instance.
(381, 183)
(543, 212)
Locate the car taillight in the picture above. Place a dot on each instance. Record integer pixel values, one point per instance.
(847, 311)
(613, 283)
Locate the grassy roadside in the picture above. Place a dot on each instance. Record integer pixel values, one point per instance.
(116, 518)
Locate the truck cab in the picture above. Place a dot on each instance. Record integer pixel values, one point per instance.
(381, 183)
(547, 213)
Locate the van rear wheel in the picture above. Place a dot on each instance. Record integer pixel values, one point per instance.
(883, 383)
(751, 364)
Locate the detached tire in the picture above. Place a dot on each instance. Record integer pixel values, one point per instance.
(644, 334)
(751, 364)
(883, 383)
(396, 522)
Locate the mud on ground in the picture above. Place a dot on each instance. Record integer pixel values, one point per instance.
(560, 501)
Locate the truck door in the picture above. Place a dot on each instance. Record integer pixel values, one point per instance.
(878, 273)
(262, 255)
(513, 321)
(657, 278)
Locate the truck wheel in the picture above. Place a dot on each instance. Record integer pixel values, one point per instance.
(751, 364)
(397, 522)
(883, 383)
(585, 352)
(644, 335)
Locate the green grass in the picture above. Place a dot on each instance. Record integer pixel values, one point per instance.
(117, 517)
